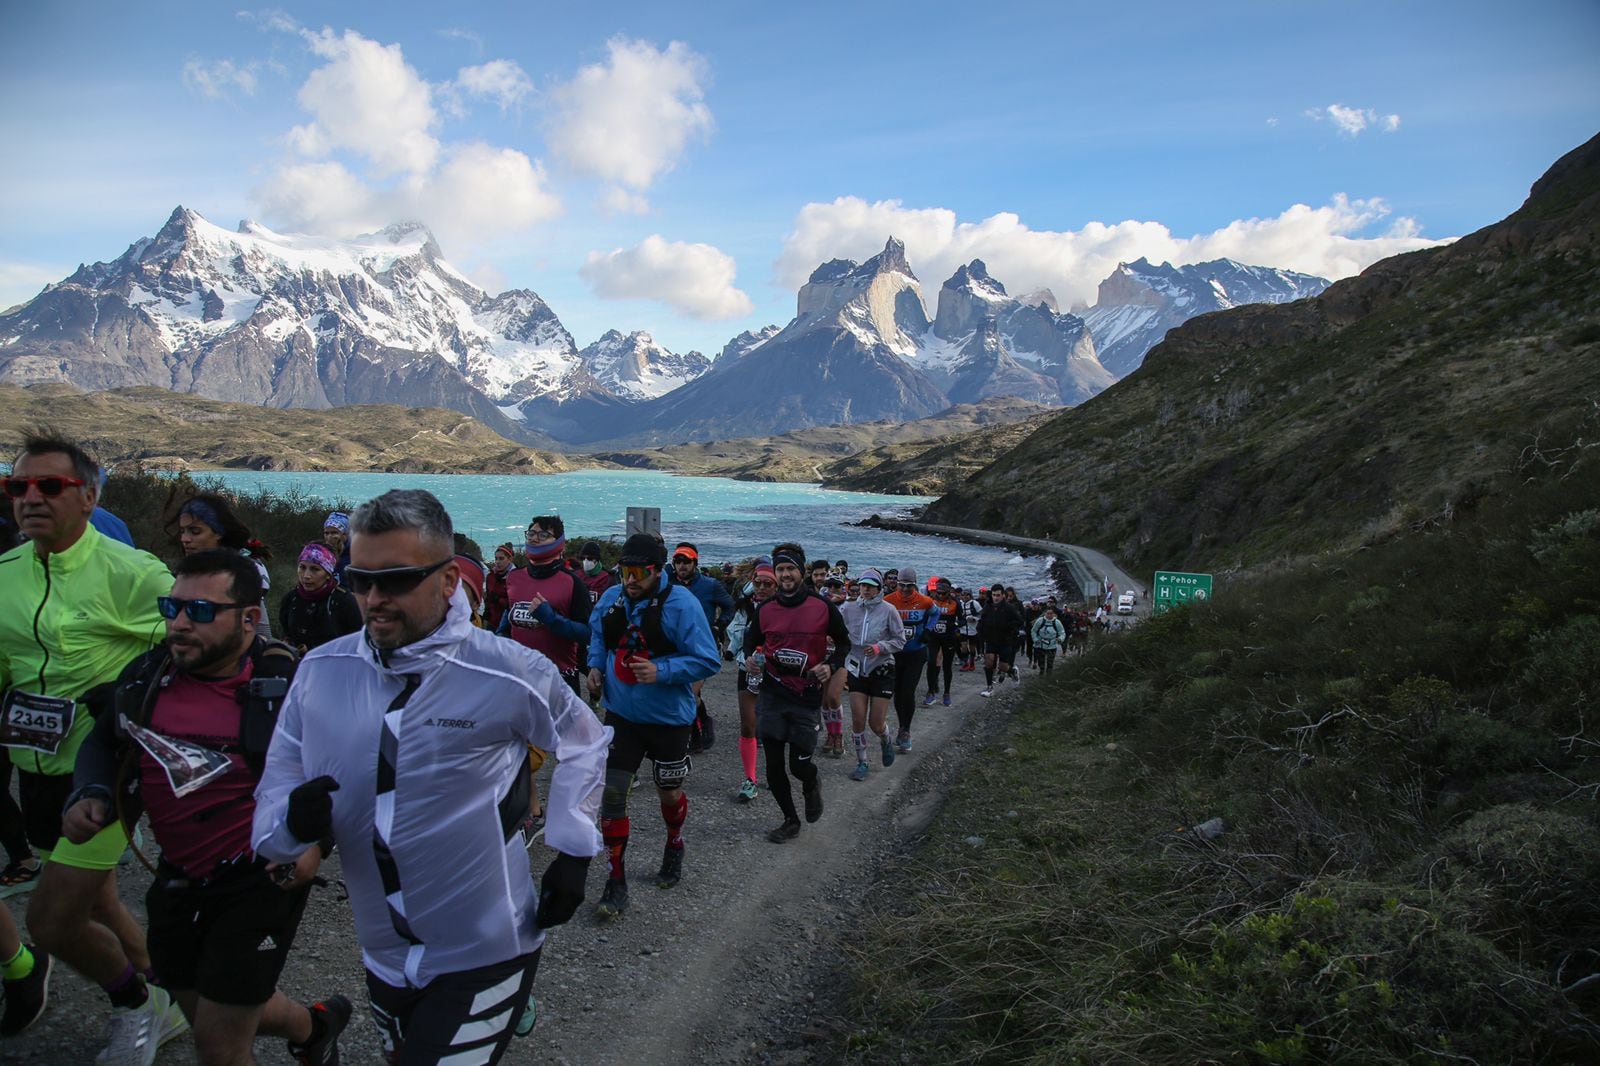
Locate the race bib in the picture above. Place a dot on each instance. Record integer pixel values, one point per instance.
(37, 723)
(789, 661)
(188, 766)
(522, 615)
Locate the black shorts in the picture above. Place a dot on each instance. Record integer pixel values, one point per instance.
(632, 741)
(228, 942)
(463, 1017)
(878, 684)
(785, 721)
(42, 797)
(1004, 652)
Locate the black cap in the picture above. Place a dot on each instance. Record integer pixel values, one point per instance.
(643, 549)
(591, 550)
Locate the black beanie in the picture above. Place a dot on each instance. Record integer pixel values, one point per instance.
(591, 550)
(642, 548)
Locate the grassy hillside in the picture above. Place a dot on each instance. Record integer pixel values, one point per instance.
(1393, 398)
(1407, 870)
(181, 431)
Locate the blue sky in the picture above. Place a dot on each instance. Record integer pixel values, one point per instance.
(681, 167)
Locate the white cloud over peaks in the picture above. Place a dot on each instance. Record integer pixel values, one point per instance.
(499, 80)
(696, 279)
(1353, 121)
(1072, 263)
(369, 100)
(628, 120)
(217, 79)
(478, 192)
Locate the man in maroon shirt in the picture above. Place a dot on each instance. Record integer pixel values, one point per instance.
(187, 725)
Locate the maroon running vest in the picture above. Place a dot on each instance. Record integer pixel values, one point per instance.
(557, 589)
(795, 640)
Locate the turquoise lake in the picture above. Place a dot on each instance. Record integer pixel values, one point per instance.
(729, 520)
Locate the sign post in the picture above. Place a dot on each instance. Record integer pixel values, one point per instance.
(644, 520)
(1174, 589)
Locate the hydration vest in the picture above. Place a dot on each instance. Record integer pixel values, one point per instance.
(615, 627)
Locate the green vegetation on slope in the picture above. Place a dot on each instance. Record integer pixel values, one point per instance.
(1398, 743)
(1267, 432)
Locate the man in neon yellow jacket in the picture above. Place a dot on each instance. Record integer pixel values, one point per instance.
(78, 607)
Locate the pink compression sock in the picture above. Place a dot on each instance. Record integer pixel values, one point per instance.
(748, 747)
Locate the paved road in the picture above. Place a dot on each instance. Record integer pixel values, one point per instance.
(1089, 567)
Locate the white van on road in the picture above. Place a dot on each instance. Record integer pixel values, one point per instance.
(1125, 603)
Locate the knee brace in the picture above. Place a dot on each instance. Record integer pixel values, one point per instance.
(673, 773)
(614, 797)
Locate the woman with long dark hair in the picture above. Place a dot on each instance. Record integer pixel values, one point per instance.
(205, 522)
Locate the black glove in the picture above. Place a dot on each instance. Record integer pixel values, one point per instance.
(561, 890)
(311, 810)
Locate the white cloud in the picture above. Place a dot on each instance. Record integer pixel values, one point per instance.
(500, 80)
(1316, 240)
(217, 79)
(1353, 121)
(628, 120)
(619, 201)
(479, 193)
(696, 279)
(369, 100)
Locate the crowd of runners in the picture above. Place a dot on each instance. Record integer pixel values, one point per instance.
(396, 704)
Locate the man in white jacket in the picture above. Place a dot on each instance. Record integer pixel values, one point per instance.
(406, 745)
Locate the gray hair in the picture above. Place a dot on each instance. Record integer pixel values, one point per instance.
(414, 509)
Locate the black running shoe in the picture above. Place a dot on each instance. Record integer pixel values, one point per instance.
(671, 867)
(814, 801)
(26, 997)
(614, 900)
(708, 733)
(785, 832)
(334, 1013)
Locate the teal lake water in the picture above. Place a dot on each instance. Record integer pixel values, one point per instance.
(729, 520)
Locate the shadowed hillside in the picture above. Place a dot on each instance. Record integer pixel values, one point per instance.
(1271, 430)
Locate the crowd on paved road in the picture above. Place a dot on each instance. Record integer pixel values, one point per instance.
(396, 705)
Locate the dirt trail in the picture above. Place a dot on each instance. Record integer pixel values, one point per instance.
(721, 969)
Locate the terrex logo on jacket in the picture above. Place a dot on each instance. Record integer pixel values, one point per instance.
(916, 611)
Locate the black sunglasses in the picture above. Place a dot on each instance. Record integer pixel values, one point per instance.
(17, 487)
(201, 611)
(396, 581)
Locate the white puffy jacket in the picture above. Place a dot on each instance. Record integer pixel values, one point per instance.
(466, 897)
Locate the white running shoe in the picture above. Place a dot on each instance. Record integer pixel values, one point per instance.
(986, 693)
(135, 1034)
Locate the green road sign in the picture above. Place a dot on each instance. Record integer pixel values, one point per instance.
(1172, 589)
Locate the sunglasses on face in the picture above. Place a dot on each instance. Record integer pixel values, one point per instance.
(637, 573)
(201, 611)
(395, 581)
(765, 584)
(17, 487)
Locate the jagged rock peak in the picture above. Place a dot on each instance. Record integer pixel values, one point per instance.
(892, 258)
(974, 275)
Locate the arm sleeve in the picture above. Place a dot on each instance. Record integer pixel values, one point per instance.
(752, 632)
(559, 721)
(284, 771)
(839, 633)
(96, 764)
(896, 629)
(722, 600)
(698, 656)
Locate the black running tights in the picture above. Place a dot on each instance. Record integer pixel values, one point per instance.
(907, 677)
(936, 653)
(801, 766)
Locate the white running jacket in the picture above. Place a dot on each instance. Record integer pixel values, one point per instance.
(427, 748)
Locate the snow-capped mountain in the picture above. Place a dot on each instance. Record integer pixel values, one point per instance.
(634, 367)
(984, 343)
(1139, 303)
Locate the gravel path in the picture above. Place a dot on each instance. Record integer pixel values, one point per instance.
(736, 964)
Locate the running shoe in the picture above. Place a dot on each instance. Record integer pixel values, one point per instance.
(18, 878)
(927, 701)
(26, 997)
(785, 832)
(708, 733)
(902, 743)
(986, 693)
(530, 1018)
(135, 1034)
(1014, 676)
(614, 900)
(324, 1050)
(887, 749)
(860, 772)
(747, 791)
(947, 699)
(671, 867)
(814, 801)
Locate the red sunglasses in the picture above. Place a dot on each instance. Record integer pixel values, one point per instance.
(52, 485)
